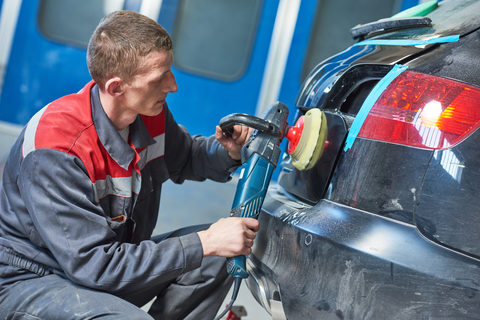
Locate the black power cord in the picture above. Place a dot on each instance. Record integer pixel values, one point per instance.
(236, 288)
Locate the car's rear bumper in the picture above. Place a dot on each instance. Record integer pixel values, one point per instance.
(335, 261)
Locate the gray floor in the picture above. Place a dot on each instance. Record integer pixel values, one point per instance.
(204, 202)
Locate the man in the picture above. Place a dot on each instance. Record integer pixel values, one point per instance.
(81, 191)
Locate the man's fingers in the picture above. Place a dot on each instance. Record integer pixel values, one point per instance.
(248, 243)
(252, 224)
(229, 237)
(241, 134)
(250, 234)
(245, 135)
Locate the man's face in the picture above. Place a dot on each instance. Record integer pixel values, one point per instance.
(145, 94)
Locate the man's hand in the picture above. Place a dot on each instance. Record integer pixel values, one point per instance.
(240, 136)
(229, 237)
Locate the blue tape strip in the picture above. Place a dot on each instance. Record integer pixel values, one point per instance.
(369, 102)
(401, 42)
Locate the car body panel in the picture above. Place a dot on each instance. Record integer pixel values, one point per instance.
(375, 177)
(457, 60)
(382, 230)
(336, 262)
(452, 183)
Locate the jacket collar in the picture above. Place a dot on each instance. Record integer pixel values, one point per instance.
(117, 148)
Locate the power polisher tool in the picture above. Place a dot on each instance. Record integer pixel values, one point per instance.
(259, 158)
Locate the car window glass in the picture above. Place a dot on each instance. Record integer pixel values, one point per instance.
(450, 18)
(214, 37)
(331, 28)
(71, 21)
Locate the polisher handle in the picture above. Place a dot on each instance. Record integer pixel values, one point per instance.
(227, 123)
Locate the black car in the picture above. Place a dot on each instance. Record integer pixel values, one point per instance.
(387, 223)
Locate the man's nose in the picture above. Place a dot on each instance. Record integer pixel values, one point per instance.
(171, 83)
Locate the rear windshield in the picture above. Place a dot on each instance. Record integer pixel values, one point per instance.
(450, 18)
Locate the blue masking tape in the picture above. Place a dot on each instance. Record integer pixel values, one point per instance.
(401, 42)
(369, 102)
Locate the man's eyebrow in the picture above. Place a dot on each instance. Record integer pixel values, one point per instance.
(162, 75)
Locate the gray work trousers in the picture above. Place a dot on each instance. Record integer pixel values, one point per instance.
(197, 294)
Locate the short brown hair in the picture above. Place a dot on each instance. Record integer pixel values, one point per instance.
(120, 43)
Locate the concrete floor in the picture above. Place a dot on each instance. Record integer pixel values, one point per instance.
(204, 202)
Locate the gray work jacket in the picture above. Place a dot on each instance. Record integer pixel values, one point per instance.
(64, 210)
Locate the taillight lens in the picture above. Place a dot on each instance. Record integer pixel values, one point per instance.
(424, 111)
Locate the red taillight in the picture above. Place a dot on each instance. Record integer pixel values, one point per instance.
(423, 111)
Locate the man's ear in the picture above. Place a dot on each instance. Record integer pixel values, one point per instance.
(114, 86)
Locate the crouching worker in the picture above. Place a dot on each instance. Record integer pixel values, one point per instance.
(81, 189)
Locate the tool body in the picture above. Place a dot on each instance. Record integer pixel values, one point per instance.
(251, 190)
(260, 156)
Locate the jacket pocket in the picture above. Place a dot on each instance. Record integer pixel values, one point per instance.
(118, 225)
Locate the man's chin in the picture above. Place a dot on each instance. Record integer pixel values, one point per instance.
(160, 109)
